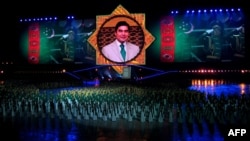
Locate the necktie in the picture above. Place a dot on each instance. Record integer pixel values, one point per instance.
(123, 52)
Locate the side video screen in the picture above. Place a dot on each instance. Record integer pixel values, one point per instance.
(57, 41)
(205, 36)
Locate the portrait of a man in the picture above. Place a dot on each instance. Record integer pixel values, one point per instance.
(120, 39)
(121, 50)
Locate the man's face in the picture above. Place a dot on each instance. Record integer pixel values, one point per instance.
(122, 33)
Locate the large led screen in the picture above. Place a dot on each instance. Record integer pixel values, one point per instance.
(212, 35)
(191, 36)
(54, 41)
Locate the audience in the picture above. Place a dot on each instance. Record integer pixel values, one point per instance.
(165, 102)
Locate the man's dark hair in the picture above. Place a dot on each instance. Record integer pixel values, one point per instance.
(122, 23)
